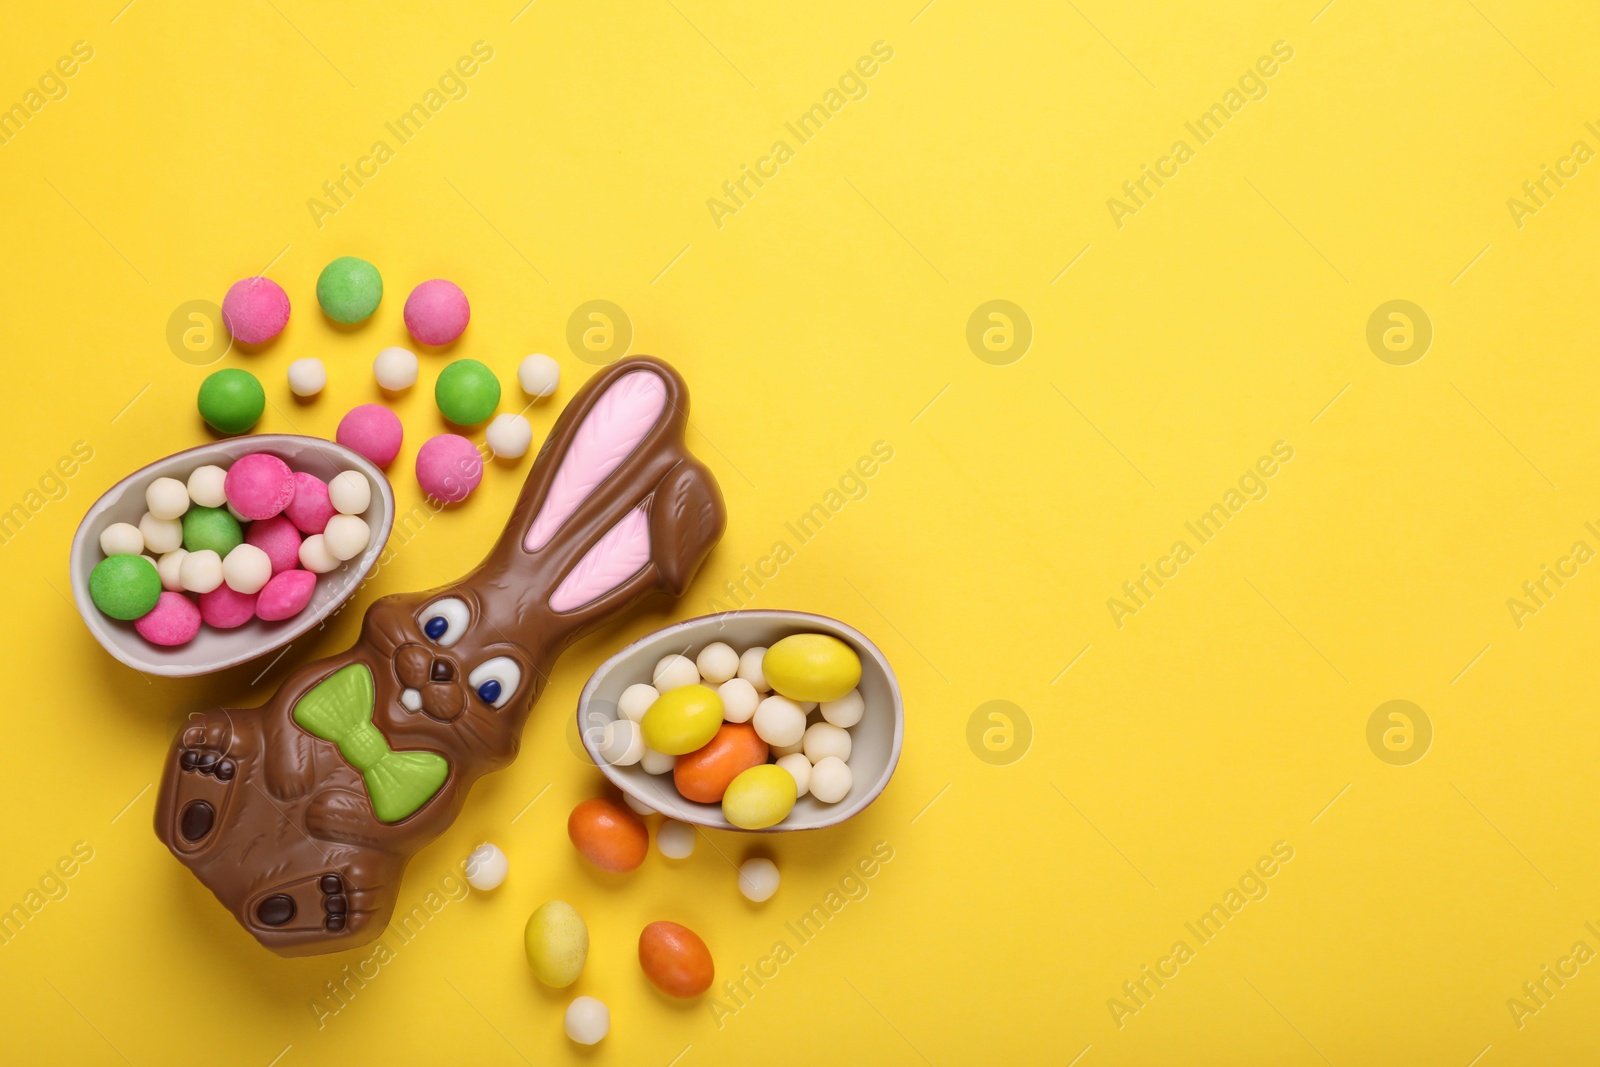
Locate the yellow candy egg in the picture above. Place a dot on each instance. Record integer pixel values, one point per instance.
(759, 797)
(811, 667)
(682, 719)
(557, 942)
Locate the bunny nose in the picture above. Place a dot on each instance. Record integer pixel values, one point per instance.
(442, 671)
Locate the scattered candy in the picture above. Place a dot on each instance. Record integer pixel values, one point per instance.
(349, 289)
(231, 400)
(739, 699)
(846, 711)
(255, 310)
(285, 595)
(373, 431)
(587, 1021)
(449, 467)
(823, 739)
(350, 493)
(621, 743)
(167, 567)
(557, 942)
(315, 557)
(704, 774)
(436, 312)
(674, 671)
(346, 537)
(760, 797)
(682, 720)
(173, 621)
(246, 569)
(167, 498)
(121, 539)
(758, 879)
(509, 436)
(799, 767)
(717, 663)
(125, 586)
(278, 538)
(675, 840)
(608, 835)
(200, 571)
(538, 375)
(208, 486)
(211, 528)
(160, 535)
(307, 377)
(467, 392)
(311, 508)
(395, 369)
(487, 867)
(811, 667)
(675, 960)
(636, 700)
(750, 668)
(779, 721)
(259, 485)
(830, 779)
(226, 608)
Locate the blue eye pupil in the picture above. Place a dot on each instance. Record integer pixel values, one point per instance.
(436, 627)
(489, 691)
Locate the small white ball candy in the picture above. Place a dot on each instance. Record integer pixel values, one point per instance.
(168, 567)
(674, 671)
(395, 369)
(637, 805)
(314, 555)
(350, 493)
(739, 699)
(205, 486)
(538, 375)
(235, 513)
(799, 768)
(750, 669)
(788, 750)
(509, 436)
(346, 536)
(167, 498)
(121, 539)
(621, 743)
(246, 569)
(307, 377)
(487, 867)
(200, 572)
(823, 739)
(588, 1021)
(758, 879)
(675, 840)
(160, 535)
(636, 700)
(846, 711)
(654, 762)
(830, 779)
(779, 721)
(717, 663)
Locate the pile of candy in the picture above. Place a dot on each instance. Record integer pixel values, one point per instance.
(717, 741)
(247, 542)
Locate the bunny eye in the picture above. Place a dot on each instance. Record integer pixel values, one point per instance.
(444, 621)
(495, 680)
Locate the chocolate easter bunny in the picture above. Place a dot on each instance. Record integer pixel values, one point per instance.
(300, 815)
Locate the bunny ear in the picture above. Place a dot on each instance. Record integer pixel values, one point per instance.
(616, 557)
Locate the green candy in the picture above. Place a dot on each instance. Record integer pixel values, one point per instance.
(211, 528)
(467, 392)
(349, 289)
(125, 587)
(231, 400)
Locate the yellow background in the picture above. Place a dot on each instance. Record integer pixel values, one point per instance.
(829, 313)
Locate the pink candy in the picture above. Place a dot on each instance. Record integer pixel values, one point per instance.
(310, 509)
(373, 431)
(255, 310)
(259, 485)
(279, 539)
(285, 596)
(449, 467)
(224, 608)
(437, 312)
(173, 621)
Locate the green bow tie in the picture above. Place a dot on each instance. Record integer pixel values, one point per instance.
(339, 709)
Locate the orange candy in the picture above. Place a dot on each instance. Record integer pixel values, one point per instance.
(703, 775)
(675, 960)
(608, 835)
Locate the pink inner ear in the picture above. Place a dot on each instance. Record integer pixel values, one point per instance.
(616, 424)
(616, 557)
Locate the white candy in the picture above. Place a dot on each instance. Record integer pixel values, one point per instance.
(653, 762)
(636, 700)
(307, 377)
(395, 369)
(808, 706)
(824, 739)
(168, 566)
(674, 671)
(750, 669)
(235, 513)
(846, 711)
(314, 555)
(779, 721)
(739, 699)
(346, 536)
(205, 486)
(539, 375)
(799, 768)
(200, 572)
(717, 663)
(509, 436)
(788, 750)
(121, 539)
(675, 840)
(637, 805)
(246, 569)
(487, 867)
(830, 780)
(758, 879)
(167, 498)
(588, 1021)
(350, 493)
(161, 535)
(621, 743)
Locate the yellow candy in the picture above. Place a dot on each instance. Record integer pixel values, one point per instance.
(682, 719)
(558, 943)
(811, 667)
(759, 797)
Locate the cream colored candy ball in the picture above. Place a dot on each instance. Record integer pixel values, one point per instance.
(846, 711)
(799, 766)
(346, 536)
(167, 498)
(830, 779)
(739, 699)
(487, 867)
(246, 569)
(675, 671)
(621, 743)
(654, 762)
(121, 539)
(788, 750)
(161, 535)
(675, 840)
(636, 700)
(168, 566)
(350, 493)
(205, 486)
(779, 721)
(639, 806)
(200, 572)
(538, 375)
(395, 369)
(750, 669)
(307, 377)
(717, 663)
(823, 739)
(509, 436)
(314, 555)
(235, 512)
(758, 879)
(588, 1021)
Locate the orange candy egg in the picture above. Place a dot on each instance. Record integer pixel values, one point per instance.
(703, 775)
(675, 960)
(608, 835)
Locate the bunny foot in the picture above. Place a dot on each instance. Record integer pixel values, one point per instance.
(205, 770)
(321, 902)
